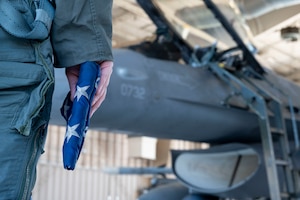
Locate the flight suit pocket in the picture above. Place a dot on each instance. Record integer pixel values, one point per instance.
(22, 94)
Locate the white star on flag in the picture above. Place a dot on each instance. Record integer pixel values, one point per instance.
(81, 91)
(97, 82)
(71, 131)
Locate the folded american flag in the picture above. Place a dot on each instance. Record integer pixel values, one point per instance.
(77, 113)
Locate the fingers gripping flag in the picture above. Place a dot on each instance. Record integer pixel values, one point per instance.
(77, 113)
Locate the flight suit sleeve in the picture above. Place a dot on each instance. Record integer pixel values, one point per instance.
(82, 31)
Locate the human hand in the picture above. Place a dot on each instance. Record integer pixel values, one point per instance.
(106, 71)
(106, 67)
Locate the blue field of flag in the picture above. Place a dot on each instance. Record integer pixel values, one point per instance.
(77, 113)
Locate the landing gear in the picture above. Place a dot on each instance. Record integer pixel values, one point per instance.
(199, 197)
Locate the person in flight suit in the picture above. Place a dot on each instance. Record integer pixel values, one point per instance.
(35, 37)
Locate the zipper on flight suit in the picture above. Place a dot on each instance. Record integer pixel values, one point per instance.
(30, 167)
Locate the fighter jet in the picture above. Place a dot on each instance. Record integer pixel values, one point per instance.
(203, 83)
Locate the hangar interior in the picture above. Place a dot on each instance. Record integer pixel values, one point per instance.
(273, 27)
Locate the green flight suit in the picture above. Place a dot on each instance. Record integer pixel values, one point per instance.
(81, 31)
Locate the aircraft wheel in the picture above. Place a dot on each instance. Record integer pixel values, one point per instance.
(171, 191)
(199, 197)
